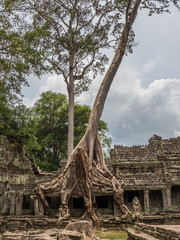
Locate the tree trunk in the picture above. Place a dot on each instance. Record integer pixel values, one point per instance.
(85, 172)
(71, 107)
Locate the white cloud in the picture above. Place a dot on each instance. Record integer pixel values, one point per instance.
(29, 102)
(139, 112)
(149, 66)
(176, 133)
(54, 83)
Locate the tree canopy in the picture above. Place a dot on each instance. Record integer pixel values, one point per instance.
(17, 58)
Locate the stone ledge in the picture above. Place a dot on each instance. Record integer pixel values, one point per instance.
(133, 235)
(50, 234)
(160, 231)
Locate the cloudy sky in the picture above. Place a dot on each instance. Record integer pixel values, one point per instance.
(145, 96)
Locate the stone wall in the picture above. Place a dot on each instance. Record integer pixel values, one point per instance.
(17, 178)
(150, 172)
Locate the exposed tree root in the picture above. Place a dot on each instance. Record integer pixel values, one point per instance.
(85, 178)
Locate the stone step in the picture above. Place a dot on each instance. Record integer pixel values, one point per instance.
(50, 234)
(160, 231)
(138, 235)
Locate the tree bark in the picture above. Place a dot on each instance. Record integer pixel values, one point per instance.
(85, 172)
(71, 107)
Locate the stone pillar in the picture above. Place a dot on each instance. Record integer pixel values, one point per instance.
(41, 207)
(6, 205)
(146, 202)
(12, 210)
(169, 198)
(38, 206)
(164, 199)
(1, 203)
(116, 209)
(19, 204)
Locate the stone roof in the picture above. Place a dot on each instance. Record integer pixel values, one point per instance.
(155, 164)
(156, 147)
(136, 153)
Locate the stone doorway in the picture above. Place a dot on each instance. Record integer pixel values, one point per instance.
(104, 204)
(155, 201)
(27, 206)
(175, 191)
(54, 203)
(130, 195)
(76, 206)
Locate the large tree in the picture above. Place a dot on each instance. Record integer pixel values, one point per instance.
(70, 35)
(85, 172)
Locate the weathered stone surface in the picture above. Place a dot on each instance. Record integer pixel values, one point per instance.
(134, 235)
(137, 210)
(163, 232)
(50, 234)
(83, 227)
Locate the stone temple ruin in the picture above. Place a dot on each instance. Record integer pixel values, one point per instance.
(151, 173)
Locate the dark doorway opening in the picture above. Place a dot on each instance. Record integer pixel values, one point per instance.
(175, 190)
(26, 202)
(130, 195)
(102, 202)
(54, 202)
(78, 202)
(28, 205)
(76, 206)
(155, 201)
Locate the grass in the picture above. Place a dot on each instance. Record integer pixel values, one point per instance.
(112, 235)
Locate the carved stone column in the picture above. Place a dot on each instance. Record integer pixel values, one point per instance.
(19, 204)
(169, 198)
(6, 204)
(12, 210)
(41, 207)
(146, 202)
(36, 206)
(116, 210)
(164, 198)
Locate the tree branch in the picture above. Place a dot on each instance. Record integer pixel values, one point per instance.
(59, 68)
(81, 76)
